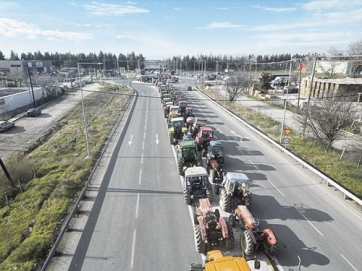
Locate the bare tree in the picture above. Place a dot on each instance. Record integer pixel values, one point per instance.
(333, 59)
(355, 50)
(237, 84)
(327, 118)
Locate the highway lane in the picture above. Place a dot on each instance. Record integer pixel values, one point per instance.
(142, 223)
(309, 220)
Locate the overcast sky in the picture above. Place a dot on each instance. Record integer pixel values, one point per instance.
(162, 29)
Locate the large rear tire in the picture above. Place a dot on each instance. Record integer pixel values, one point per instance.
(249, 202)
(187, 196)
(199, 243)
(180, 166)
(170, 138)
(272, 250)
(212, 175)
(230, 241)
(246, 243)
(232, 220)
(225, 200)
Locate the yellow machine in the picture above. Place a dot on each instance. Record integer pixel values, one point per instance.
(216, 261)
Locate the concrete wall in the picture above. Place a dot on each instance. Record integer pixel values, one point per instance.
(14, 101)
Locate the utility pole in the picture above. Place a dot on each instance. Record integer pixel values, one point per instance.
(309, 96)
(31, 85)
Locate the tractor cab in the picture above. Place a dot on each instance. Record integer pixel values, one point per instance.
(215, 151)
(235, 182)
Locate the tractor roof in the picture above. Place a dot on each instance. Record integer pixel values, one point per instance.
(177, 119)
(205, 128)
(187, 144)
(215, 144)
(195, 171)
(237, 177)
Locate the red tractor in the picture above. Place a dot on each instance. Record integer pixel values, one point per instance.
(210, 229)
(252, 239)
(203, 138)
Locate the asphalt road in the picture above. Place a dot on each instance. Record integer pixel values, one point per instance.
(142, 222)
(137, 218)
(309, 220)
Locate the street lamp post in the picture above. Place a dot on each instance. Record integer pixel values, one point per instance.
(286, 100)
(83, 108)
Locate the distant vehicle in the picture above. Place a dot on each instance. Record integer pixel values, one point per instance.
(33, 112)
(6, 125)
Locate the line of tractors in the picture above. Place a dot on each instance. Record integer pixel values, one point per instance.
(193, 140)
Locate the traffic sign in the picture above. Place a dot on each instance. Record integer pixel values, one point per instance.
(287, 131)
(286, 140)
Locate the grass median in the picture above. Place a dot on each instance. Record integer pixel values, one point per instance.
(51, 177)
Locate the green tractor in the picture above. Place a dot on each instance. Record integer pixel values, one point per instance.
(187, 156)
(177, 130)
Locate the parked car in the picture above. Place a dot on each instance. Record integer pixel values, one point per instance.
(6, 125)
(33, 112)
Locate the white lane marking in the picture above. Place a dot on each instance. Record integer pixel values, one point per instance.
(321, 234)
(142, 159)
(137, 205)
(280, 192)
(143, 145)
(144, 134)
(157, 141)
(354, 268)
(140, 177)
(130, 141)
(133, 248)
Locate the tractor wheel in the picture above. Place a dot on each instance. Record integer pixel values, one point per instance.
(209, 194)
(217, 189)
(232, 220)
(248, 202)
(225, 200)
(230, 241)
(180, 166)
(217, 214)
(170, 138)
(196, 222)
(199, 243)
(187, 196)
(246, 243)
(272, 250)
(212, 175)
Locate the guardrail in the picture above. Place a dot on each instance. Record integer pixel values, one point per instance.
(346, 194)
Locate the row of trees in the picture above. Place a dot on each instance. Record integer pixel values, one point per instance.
(187, 63)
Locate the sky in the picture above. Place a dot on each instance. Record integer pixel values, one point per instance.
(163, 29)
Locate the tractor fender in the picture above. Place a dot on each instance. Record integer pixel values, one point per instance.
(184, 130)
(224, 228)
(243, 213)
(269, 236)
(213, 164)
(203, 230)
(172, 130)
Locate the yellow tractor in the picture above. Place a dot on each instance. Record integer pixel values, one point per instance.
(216, 261)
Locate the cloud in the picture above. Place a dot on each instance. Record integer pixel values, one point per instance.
(177, 9)
(273, 9)
(15, 29)
(330, 4)
(221, 25)
(124, 37)
(100, 9)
